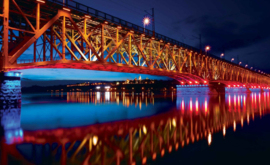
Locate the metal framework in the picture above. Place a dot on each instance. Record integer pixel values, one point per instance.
(76, 36)
(140, 140)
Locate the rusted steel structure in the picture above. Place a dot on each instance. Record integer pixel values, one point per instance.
(72, 35)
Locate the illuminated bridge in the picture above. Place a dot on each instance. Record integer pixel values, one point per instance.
(77, 36)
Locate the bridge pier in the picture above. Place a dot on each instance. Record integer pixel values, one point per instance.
(219, 88)
(196, 89)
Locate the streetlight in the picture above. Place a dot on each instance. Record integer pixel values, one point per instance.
(222, 54)
(246, 65)
(232, 59)
(251, 67)
(207, 48)
(146, 21)
(240, 63)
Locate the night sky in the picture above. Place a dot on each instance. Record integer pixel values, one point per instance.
(238, 28)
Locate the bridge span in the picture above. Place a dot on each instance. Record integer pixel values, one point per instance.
(73, 35)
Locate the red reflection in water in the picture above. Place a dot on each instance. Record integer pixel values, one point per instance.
(149, 137)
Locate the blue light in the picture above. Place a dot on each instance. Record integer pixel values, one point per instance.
(21, 132)
(17, 74)
(10, 74)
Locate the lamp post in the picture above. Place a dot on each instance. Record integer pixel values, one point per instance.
(246, 65)
(146, 21)
(207, 48)
(232, 59)
(222, 54)
(240, 63)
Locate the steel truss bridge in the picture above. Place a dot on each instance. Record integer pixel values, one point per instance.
(136, 141)
(73, 35)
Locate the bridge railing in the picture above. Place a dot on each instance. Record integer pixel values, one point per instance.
(104, 16)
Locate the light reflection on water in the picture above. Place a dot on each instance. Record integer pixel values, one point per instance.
(130, 127)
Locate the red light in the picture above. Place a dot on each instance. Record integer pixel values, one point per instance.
(251, 86)
(234, 85)
(182, 82)
(190, 82)
(238, 85)
(259, 86)
(244, 85)
(196, 82)
(254, 86)
(229, 85)
(205, 82)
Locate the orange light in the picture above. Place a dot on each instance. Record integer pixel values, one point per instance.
(207, 48)
(119, 27)
(153, 38)
(87, 16)
(144, 160)
(168, 43)
(106, 22)
(162, 152)
(154, 156)
(161, 41)
(66, 9)
(40, 1)
(176, 146)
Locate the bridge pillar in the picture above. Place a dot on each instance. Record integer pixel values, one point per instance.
(196, 90)
(4, 55)
(10, 88)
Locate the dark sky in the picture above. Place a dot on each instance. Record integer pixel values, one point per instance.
(239, 27)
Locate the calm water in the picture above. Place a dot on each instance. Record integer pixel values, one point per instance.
(137, 128)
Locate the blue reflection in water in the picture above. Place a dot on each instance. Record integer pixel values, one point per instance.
(45, 112)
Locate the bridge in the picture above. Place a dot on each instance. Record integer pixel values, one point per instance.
(73, 35)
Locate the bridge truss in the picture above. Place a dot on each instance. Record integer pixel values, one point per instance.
(48, 34)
